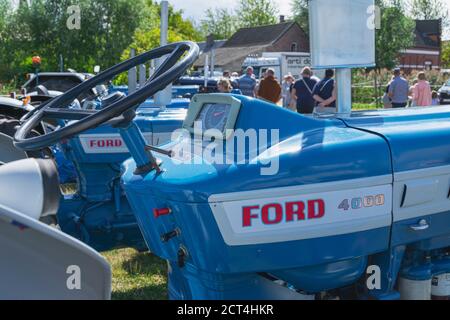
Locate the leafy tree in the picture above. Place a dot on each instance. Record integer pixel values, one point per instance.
(396, 34)
(429, 9)
(41, 29)
(446, 54)
(108, 28)
(301, 13)
(254, 13)
(221, 23)
(147, 35)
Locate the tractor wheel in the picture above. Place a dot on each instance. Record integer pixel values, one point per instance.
(9, 126)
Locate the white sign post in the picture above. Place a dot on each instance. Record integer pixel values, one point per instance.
(342, 38)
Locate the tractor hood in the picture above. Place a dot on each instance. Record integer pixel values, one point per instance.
(306, 151)
(418, 137)
(317, 169)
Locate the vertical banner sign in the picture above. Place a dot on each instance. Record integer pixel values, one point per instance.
(342, 33)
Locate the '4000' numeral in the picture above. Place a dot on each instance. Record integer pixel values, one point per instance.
(359, 203)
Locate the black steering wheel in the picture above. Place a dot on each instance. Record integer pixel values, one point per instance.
(181, 56)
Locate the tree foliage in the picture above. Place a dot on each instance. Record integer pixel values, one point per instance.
(446, 54)
(254, 13)
(222, 23)
(300, 13)
(430, 9)
(108, 29)
(396, 33)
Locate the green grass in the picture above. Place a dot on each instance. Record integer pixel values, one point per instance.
(363, 106)
(137, 276)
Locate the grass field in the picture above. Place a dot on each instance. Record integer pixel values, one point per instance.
(363, 106)
(137, 276)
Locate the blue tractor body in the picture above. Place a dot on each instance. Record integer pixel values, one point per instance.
(98, 213)
(349, 193)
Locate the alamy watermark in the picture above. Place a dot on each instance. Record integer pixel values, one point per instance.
(250, 147)
(374, 278)
(74, 20)
(74, 280)
(374, 20)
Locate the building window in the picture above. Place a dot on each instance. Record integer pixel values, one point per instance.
(294, 47)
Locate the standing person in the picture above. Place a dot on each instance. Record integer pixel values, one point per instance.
(435, 99)
(387, 101)
(302, 92)
(286, 90)
(398, 90)
(325, 91)
(224, 86)
(411, 101)
(269, 88)
(247, 83)
(422, 95)
(226, 74)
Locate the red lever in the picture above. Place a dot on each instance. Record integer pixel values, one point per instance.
(161, 212)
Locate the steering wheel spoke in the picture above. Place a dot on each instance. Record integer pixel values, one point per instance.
(67, 114)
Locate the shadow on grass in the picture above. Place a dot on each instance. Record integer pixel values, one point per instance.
(145, 264)
(153, 292)
(148, 273)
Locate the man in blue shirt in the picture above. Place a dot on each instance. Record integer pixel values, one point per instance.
(325, 91)
(398, 90)
(302, 92)
(247, 83)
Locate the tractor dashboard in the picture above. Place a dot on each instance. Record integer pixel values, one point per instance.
(215, 114)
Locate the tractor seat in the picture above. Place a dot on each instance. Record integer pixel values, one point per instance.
(30, 187)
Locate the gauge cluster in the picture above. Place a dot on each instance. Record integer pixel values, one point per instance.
(214, 116)
(213, 112)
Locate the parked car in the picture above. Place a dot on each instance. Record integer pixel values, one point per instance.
(56, 82)
(444, 93)
(200, 81)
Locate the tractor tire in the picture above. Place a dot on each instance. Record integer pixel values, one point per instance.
(9, 126)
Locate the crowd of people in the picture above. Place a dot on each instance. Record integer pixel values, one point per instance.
(399, 93)
(309, 92)
(302, 95)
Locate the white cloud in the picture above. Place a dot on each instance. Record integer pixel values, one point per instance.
(195, 9)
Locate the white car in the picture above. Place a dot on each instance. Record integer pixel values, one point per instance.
(444, 93)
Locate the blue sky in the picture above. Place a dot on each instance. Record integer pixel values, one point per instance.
(195, 9)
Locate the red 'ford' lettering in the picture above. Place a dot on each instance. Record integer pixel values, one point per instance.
(295, 209)
(316, 209)
(247, 216)
(106, 143)
(274, 208)
(274, 213)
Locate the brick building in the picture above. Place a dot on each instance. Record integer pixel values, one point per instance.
(282, 37)
(426, 52)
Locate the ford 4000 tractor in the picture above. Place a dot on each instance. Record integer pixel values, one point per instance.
(349, 207)
(98, 213)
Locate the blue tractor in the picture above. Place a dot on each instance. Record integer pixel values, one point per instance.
(97, 212)
(252, 201)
